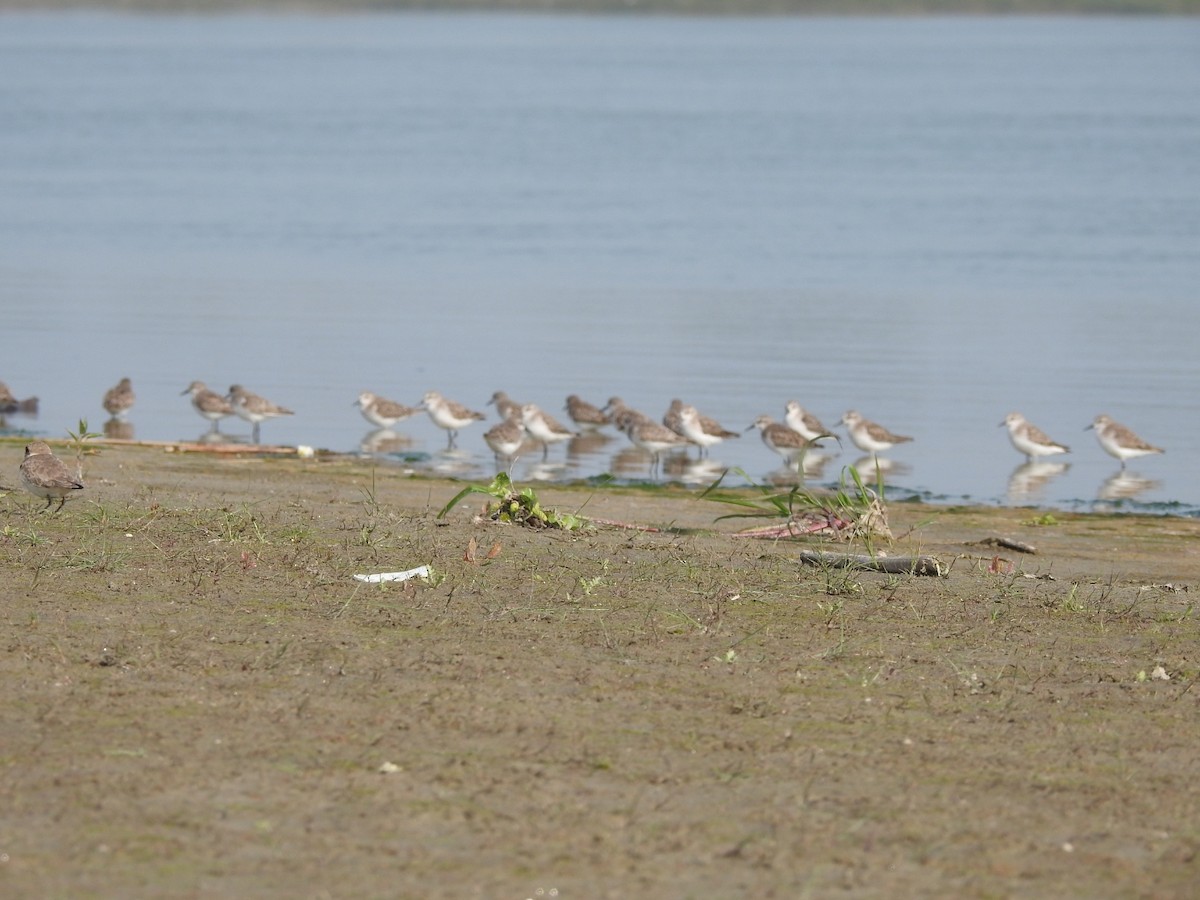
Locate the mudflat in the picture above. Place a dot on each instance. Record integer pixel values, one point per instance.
(200, 699)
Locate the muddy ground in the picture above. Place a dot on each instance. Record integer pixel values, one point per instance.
(201, 701)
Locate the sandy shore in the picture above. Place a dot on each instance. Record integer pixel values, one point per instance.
(203, 701)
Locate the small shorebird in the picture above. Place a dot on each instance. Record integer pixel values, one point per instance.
(870, 437)
(45, 475)
(381, 412)
(505, 439)
(701, 430)
(1029, 439)
(10, 404)
(672, 418)
(789, 444)
(506, 406)
(1119, 441)
(448, 415)
(208, 403)
(544, 427)
(120, 399)
(253, 408)
(622, 415)
(584, 414)
(655, 439)
(805, 424)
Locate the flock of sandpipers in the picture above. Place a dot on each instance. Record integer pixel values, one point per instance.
(682, 426)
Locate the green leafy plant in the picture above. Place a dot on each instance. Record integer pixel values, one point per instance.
(81, 440)
(518, 506)
(853, 510)
(81, 443)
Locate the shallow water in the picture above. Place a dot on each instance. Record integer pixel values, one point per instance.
(934, 221)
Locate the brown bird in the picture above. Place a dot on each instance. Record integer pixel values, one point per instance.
(584, 414)
(622, 415)
(208, 403)
(381, 412)
(10, 404)
(448, 414)
(45, 475)
(253, 408)
(870, 437)
(506, 406)
(120, 399)
(1119, 441)
(702, 431)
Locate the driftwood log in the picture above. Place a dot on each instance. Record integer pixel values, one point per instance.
(228, 447)
(894, 565)
(1008, 544)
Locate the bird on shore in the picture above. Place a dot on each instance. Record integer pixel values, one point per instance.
(870, 437)
(1119, 441)
(10, 404)
(621, 415)
(119, 400)
(653, 438)
(505, 439)
(253, 408)
(584, 414)
(788, 443)
(45, 475)
(506, 406)
(208, 403)
(381, 412)
(702, 431)
(805, 424)
(543, 427)
(1029, 439)
(448, 415)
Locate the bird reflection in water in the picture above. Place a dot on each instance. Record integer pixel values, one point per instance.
(869, 466)
(1029, 479)
(629, 462)
(809, 467)
(682, 468)
(1125, 485)
(383, 441)
(118, 429)
(586, 444)
(213, 438)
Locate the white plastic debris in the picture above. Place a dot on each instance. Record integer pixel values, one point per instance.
(377, 578)
(305, 452)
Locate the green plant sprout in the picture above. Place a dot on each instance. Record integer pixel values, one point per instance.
(520, 507)
(81, 443)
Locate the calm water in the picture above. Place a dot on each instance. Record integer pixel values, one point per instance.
(934, 221)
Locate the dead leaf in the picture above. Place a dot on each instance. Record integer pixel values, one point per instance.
(469, 556)
(495, 551)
